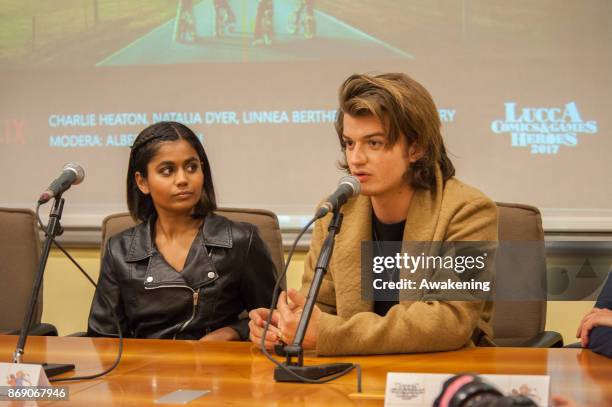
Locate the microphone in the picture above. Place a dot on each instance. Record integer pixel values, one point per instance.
(348, 187)
(72, 173)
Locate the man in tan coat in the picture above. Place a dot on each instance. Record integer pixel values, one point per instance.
(389, 130)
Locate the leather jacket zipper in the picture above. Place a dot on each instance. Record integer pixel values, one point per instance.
(196, 300)
(196, 297)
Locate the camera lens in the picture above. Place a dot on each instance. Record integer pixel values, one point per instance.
(468, 390)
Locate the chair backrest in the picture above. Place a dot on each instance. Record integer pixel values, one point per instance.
(19, 258)
(514, 322)
(266, 222)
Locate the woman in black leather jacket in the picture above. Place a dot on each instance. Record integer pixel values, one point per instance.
(183, 272)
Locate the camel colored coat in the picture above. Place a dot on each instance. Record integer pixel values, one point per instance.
(348, 324)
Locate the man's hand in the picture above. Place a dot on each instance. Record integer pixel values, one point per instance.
(560, 401)
(596, 317)
(284, 322)
(258, 320)
(290, 313)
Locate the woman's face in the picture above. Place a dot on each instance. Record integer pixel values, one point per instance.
(175, 177)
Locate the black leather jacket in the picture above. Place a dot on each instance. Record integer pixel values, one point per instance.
(228, 270)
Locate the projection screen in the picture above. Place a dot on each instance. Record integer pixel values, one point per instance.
(522, 88)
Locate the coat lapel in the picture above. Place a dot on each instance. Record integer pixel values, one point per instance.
(423, 213)
(421, 224)
(346, 261)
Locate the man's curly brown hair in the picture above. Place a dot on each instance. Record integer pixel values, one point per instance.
(406, 109)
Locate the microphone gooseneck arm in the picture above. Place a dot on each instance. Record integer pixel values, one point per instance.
(294, 370)
(53, 229)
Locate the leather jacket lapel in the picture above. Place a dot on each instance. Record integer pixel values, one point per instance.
(199, 267)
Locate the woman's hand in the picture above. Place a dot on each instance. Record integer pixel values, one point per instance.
(597, 317)
(222, 334)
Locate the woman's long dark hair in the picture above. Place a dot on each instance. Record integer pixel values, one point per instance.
(144, 149)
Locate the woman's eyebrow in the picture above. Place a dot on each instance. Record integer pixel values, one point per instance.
(167, 162)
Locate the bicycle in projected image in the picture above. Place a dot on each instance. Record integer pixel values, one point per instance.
(225, 19)
(264, 23)
(184, 24)
(303, 19)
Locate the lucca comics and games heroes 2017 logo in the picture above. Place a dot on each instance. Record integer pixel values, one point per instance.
(543, 129)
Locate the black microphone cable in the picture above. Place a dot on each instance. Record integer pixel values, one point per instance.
(275, 295)
(106, 301)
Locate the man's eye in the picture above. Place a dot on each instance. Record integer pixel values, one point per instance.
(375, 143)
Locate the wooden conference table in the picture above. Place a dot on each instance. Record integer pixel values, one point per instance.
(238, 374)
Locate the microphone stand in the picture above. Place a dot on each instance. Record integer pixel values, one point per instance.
(295, 350)
(54, 229)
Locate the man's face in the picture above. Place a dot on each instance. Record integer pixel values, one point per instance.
(379, 169)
